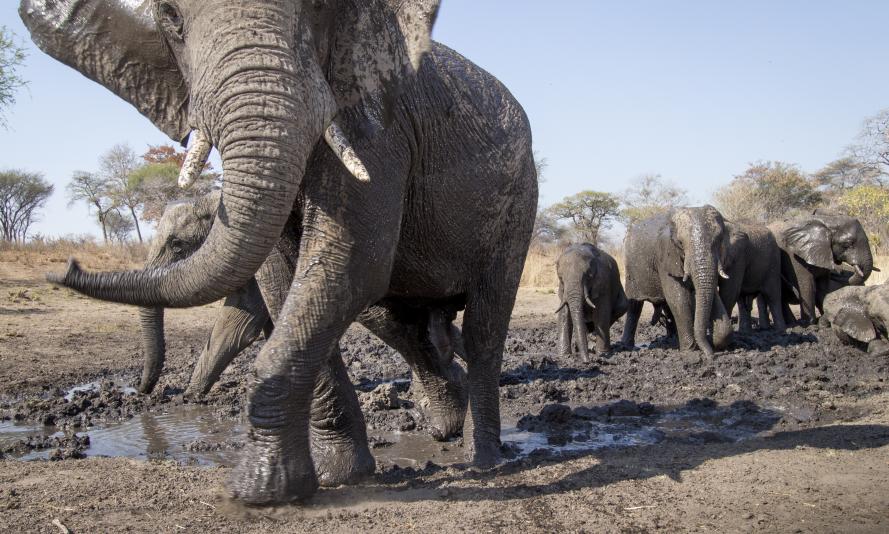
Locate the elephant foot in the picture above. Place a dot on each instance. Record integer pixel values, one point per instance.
(341, 464)
(269, 473)
(486, 455)
(446, 406)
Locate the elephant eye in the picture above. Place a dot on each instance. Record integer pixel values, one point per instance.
(170, 19)
(177, 245)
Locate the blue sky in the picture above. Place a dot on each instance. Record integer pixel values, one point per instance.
(692, 90)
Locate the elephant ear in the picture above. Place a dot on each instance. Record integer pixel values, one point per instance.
(855, 324)
(671, 250)
(115, 43)
(376, 45)
(810, 241)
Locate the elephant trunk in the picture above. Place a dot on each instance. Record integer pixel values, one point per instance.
(703, 273)
(864, 265)
(265, 107)
(575, 301)
(152, 320)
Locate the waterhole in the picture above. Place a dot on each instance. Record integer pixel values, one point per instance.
(194, 434)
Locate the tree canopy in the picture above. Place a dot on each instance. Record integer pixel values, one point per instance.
(12, 57)
(22, 194)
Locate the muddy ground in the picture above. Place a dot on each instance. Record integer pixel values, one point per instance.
(780, 433)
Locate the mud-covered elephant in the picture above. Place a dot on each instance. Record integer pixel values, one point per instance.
(410, 169)
(592, 297)
(859, 315)
(813, 247)
(753, 265)
(244, 317)
(675, 258)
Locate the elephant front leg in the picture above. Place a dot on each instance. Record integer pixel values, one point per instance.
(681, 304)
(744, 319)
(338, 431)
(602, 328)
(239, 323)
(634, 310)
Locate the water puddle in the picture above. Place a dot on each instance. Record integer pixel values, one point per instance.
(194, 434)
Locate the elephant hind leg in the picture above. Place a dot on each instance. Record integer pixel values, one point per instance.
(442, 380)
(485, 325)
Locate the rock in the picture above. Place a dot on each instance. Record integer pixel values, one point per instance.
(383, 397)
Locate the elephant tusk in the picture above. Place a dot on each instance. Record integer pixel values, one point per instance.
(341, 146)
(565, 303)
(858, 271)
(195, 159)
(685, 277)
(723, 274)
(589, 302)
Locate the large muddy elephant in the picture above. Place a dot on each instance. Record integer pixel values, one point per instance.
(409, 167)
(674, 258)
(753, 265)
(592, 298)
(813, 248)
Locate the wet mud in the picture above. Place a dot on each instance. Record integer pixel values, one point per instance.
(551, 404)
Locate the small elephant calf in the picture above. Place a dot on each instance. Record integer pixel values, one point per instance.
(592, 297)
(859, 315)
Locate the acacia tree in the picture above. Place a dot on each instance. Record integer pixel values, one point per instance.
(870, 204)
(589, 213)
(119, 226)
(92, 189)
(157, 180)
(650, 194)
(767, 191)
(117, 166)
(21, 195)
(12, 56)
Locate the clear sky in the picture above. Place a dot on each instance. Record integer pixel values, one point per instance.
(692, 90)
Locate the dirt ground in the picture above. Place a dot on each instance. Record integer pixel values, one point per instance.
(801, 439)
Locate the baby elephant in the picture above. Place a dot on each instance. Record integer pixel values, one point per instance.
(592, 297)
(859, 315)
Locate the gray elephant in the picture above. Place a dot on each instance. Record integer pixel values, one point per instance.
(244, 317)
(592, 297)
(859, 315)
(813, 247)
(674, 258)
(753, 265)
(408, 167)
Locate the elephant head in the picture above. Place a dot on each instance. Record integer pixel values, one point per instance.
(827, 239)
(698, 244)
(577, 270)
(182, 229)
(261, 80)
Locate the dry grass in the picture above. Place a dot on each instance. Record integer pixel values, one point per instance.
(881, 262)
(46, 252)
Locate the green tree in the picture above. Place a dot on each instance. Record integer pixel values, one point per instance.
(589, 212)
(648, 195)
(870, 204)
(12, 56)
(767, 191)
(22, 194)
(117, 166)
(157, 180)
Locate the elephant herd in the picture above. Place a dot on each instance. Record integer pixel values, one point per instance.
(373, 175)
(694, 267)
